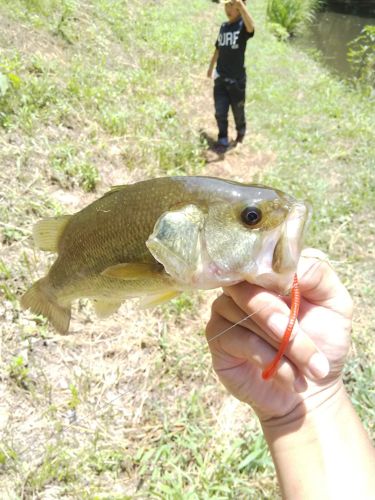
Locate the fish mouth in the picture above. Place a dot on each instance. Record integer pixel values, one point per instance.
(289, 246)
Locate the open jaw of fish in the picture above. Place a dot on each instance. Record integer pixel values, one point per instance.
(180, 243)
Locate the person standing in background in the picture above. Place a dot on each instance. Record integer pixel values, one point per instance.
(228, 66)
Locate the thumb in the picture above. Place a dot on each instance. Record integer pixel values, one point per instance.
(320, 284)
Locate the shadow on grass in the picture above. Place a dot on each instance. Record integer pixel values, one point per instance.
(213, 147)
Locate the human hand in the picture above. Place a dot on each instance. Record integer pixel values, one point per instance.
(236, 3)
(310, 371)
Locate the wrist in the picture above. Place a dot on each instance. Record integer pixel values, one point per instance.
(308, 413)
(324, 453)
(241, 6)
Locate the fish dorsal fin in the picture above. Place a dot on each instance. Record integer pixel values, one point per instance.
(119, 187)
(133, 271)
(114, 189)
(47, 232)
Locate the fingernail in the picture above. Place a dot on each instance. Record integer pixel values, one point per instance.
(277, 323)
(318, 365)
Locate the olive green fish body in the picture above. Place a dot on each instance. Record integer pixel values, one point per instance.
(155, 238)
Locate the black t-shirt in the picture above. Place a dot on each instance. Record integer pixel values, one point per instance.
(231, 43)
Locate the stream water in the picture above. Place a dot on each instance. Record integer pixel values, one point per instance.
(335, 28)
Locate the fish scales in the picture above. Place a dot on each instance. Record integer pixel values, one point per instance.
(110, 231)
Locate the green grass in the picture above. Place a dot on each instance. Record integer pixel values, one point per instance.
(69, 169)
(290, 15)
(19, 372)
(114, 89)
(98, 93)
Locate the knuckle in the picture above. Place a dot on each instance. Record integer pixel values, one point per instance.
(216, 305)
(211, 327)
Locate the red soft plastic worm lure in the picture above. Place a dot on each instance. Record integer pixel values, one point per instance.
(270, 370)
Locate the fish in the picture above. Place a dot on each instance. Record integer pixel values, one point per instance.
(159, 237)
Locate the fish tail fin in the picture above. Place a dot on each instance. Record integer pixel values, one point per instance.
(40, 301)
(47, 232)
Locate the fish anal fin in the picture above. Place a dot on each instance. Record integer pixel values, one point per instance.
(158, 298)
(47, 232)
(133, 271)
(104, 308)
(39, 301)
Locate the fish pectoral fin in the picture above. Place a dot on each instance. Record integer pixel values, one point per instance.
(158, 298)
(133, 271)
(105, 308)
(47, 232)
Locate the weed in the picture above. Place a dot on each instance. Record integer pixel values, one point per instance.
(103, 460)
(74, 399)
(361, 55)
(10, 83)
(57, 466)
(279, 31)
(290, 15)
(64, 21)
(19, 372)
(358, 375)
(5, 272)
(69, 170)
(180, 305)
(7, 454)
(11, 234)
(7, 292)
(4, 84)
(257, 457)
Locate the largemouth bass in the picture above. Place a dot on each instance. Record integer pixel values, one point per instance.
(156, 238)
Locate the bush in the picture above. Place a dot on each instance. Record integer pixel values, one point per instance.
(361, 56)
(290, 15)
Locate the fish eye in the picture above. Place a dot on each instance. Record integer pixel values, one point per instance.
(251, 216)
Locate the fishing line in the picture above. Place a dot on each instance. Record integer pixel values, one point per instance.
(239, 322)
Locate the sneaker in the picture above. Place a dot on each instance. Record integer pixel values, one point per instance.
(222, 145)
(240, 138)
